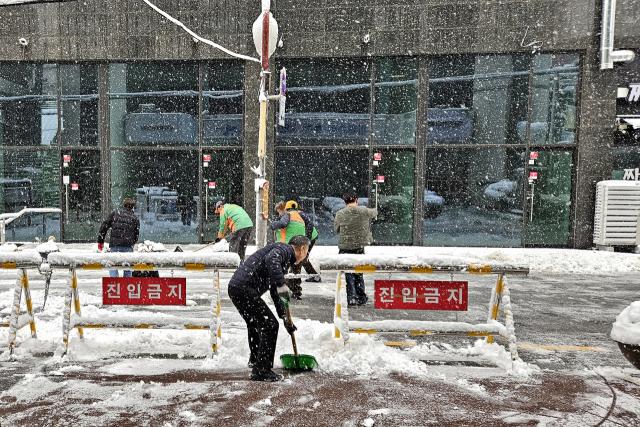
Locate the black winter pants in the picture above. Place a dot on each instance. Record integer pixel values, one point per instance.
(262, 326)
(239, 240)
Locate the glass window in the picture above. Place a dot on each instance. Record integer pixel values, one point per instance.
(158, 180)
(225, 171)
(553, 116)
(28, 104)
(396, 97)
(79, 105)
(328, 103)
(82, 214)
(395, 197)
(474, 197)
(478, 99)
(222, 103)
(30, 180)
(317, 179)
(153, 104)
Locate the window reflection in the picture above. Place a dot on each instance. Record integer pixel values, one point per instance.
(317, 179)
(553, 119)
(158, 180)
(153, 104)
(83, 219)
(396, 99)
(328, 103)
(79, 104)
(28, 104)
(474, 197)
(222, 104)
(30, 180)
(395, 197)
(477, 99)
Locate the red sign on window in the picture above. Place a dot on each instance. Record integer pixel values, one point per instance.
(533, 155)
(206, 157)
(144, 291)
(66, 158)
(533, 175)
(212, 184)
(421, 295)
(380, 178)
(74, 186)
(377, 156)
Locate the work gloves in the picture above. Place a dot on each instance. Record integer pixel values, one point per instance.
(100, 246)
(289, 326)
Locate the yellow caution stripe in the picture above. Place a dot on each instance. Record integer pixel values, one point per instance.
(365, 331)
(142, 266)
(9, 265)
(560, 347)
(479, 269)
(365, 269)
(478, 334)
(427, 269)
(194, 327)
(421, 332)
(93, 266)
(6, 325)
(399, 344)
(194, 267)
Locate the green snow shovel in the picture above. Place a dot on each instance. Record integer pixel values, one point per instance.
(295, 361)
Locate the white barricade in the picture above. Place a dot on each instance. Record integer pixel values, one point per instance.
(188, 261)
(21, 261)
(349, 263)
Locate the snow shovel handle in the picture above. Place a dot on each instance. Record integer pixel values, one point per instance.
(293, 337)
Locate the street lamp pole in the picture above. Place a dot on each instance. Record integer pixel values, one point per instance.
(265, 36)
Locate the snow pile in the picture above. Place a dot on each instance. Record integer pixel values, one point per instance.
(8, 247)
(47, 247)
(626, 328)
(149, 246)
(24, 257)
(221, 246)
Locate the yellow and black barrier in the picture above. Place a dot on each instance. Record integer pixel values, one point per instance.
(21, 261)
(185, 261)
(393, 265)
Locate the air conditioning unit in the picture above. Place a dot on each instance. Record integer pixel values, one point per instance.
(616, 216)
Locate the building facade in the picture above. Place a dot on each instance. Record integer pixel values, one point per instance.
(484, 123)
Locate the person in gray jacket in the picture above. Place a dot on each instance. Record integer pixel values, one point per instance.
(352, 224)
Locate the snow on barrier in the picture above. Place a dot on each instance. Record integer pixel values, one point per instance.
(21, 261)
(188, 261)
(500, 295)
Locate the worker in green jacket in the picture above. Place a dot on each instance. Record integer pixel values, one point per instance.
(233, 218)
(293, 222)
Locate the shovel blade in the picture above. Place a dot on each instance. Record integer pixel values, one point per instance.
(303, 362)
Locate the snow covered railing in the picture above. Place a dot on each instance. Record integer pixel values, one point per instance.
(415, 264)
(145, 260)
(16, 321)
(142, 261)
(424, 265)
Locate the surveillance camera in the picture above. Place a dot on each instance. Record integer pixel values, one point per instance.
(23, 41)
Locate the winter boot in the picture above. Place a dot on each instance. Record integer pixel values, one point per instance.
(267, 375)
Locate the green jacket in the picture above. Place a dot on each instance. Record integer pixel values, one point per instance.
(352, 225)
(233, 217)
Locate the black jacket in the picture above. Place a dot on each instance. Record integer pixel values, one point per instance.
(264, 271)
(125, 228)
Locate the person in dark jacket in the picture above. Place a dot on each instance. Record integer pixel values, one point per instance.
(261, 272)
(125, 229)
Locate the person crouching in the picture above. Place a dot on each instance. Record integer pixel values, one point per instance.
(261, 272)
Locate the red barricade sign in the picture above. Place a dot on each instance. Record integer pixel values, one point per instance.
(421, 295)
(144, 291)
